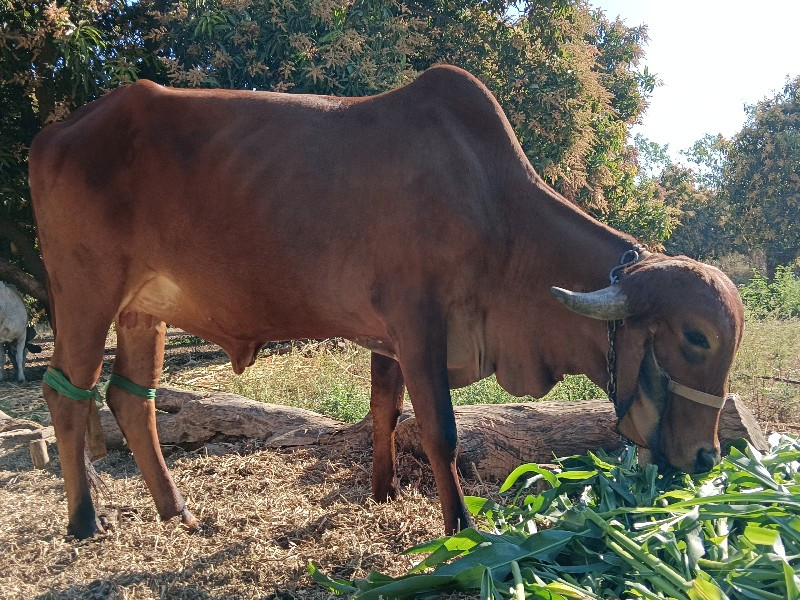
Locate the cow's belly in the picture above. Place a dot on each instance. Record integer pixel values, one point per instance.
(240, 327)
(164, 299)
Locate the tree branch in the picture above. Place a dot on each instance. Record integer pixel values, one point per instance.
(24, 282)
(27, 250)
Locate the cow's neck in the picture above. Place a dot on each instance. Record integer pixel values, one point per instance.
(555, 245)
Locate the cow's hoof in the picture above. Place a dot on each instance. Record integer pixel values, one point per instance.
(188, 520)
(385, 495)
(84, 531)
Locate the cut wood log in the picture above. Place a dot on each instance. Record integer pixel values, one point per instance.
(494, 439)
(39, 455)
(190, 419)
(737, 421)
(18, 437)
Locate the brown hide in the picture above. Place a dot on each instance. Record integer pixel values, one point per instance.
(410, 222)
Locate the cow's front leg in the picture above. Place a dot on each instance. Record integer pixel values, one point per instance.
(140, 356)
(69, 422)
(386, 404)
(424, 366)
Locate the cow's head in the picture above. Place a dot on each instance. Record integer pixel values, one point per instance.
(682, 322)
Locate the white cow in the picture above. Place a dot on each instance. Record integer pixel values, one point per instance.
(13, 321)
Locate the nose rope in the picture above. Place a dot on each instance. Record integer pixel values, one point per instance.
(694, 395)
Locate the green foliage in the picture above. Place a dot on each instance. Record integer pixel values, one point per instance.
(767, 369)
(778, 297)
(694, 222)
(709, 156)
(488, 391)
(345, 402)
(310, 46)
(568, 78)
(702, 231)
(606, 528)
(762, 177)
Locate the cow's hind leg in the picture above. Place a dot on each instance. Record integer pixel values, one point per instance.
(20, 356)
(140, 357)
(78, 355)
(386, 404)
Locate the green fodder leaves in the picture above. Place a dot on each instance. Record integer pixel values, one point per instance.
(606, 528)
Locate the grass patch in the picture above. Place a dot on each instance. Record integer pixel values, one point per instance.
(488, 391)
(329, 378)
(183, 341)
(768, 360)
(333, 378)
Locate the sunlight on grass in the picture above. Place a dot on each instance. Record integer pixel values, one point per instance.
(767, 363)
(326, 377)
(332, 378)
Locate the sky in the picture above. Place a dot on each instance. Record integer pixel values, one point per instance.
(712, 57)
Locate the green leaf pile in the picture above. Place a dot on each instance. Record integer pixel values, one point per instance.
(604, 527)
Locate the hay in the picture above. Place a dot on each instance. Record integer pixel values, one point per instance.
(264, 515)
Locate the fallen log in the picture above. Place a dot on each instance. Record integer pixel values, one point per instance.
(191, 419)
(494, 439)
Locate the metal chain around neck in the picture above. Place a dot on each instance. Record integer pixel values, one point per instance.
(611, 364)
(628, 258)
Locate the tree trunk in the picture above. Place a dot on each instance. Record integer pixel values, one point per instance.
(26, 284)
(778, 255)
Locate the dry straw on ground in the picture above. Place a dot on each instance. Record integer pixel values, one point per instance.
(264, 515)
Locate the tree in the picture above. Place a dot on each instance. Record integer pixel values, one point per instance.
(761, 179)
(567, 77)
(52, 58)
(701, 233)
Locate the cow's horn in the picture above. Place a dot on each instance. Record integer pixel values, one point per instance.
(608, 304)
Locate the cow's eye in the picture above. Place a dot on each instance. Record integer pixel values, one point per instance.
(695, 338)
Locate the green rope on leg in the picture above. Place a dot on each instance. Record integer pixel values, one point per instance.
(59, 382)
(132, 388)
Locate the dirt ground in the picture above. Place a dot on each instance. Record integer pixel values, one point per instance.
(265, 514)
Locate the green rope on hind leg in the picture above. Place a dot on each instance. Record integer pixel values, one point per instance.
(59, 382)
(132, 388)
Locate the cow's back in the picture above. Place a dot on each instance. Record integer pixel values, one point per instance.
(284, 215)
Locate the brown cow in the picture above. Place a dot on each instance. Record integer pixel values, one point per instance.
(410, 222)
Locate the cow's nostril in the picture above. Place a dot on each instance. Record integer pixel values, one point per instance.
(706, 459)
